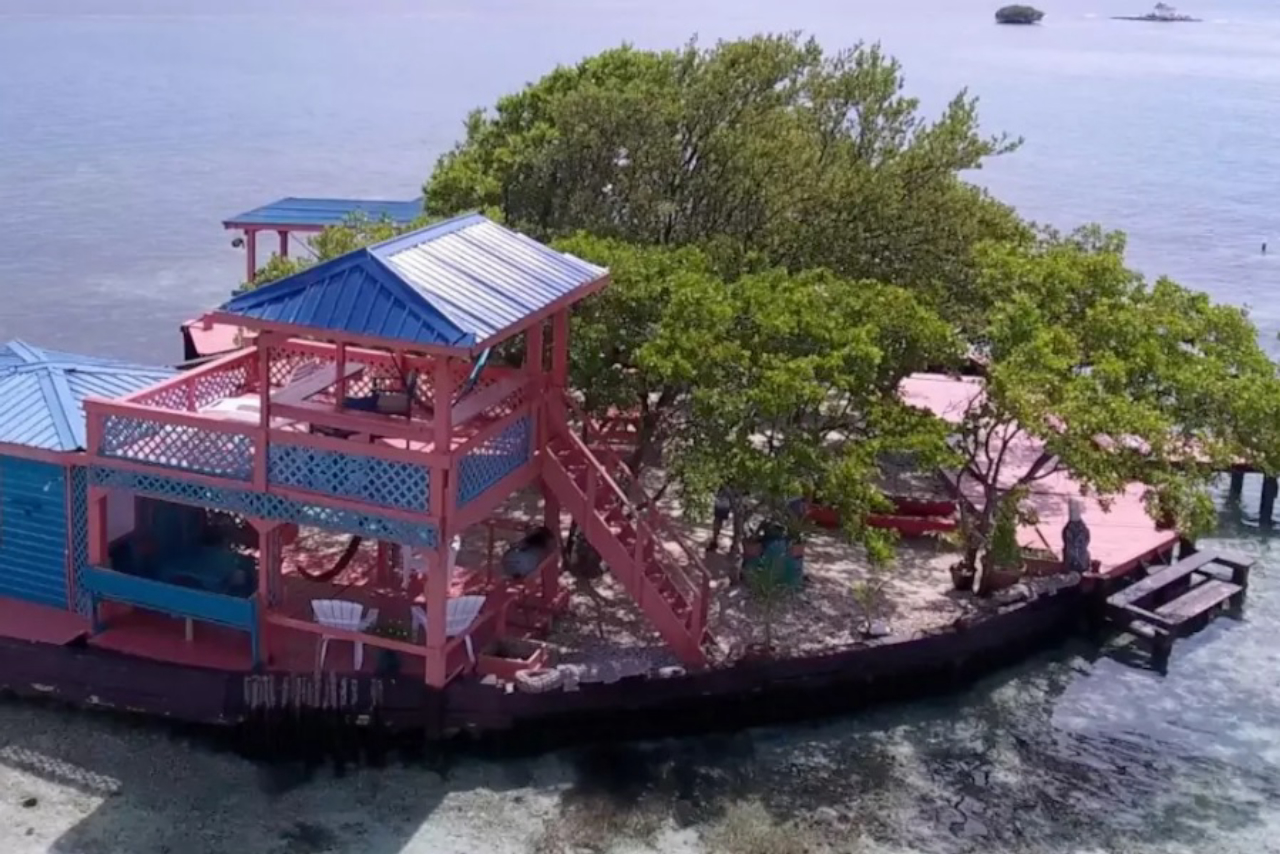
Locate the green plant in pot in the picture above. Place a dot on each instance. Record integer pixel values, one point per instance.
(769, 587)
(1003, 565)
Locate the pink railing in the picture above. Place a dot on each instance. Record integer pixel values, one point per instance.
(653, 514)
(691, 582)
(232, 375)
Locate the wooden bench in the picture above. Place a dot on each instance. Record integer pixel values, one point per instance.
(1161, 579)
(315, 382)
(1198, 601)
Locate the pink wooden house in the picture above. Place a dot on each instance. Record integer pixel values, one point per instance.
(366, 408)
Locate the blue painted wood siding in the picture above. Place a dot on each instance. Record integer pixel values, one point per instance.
(33, 531)
(174, 600)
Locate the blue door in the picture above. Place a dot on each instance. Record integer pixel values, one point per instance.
(33, 531)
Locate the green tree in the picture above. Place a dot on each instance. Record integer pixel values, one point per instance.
(764, 147)
(1095, 371)
(790, 388)
(358, 231)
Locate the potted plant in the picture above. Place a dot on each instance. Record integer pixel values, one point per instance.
(1003, 564)
(388, 659)
(768, 584)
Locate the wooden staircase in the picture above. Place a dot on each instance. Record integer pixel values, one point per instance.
(630, 535)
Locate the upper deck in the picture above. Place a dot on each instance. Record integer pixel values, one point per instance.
(365, 380)
(207, 424)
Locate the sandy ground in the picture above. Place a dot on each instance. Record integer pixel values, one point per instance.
(914, 595)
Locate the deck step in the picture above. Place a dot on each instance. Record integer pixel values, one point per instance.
(1160, 579)
(1198, 601)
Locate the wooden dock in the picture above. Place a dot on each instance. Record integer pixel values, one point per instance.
(1176, 600)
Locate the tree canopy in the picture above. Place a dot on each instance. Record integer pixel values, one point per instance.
(789, 237)
(1117, 380)
(761, 148)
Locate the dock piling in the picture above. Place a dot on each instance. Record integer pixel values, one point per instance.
(1266, 510)
(1237, 486)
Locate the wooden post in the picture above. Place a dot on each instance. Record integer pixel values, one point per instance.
(340, 398)
(268, 563)
(560, 349)
(437, 613)
(1266, 511)
(1237, 486)
(260, 449)
(443, 414)
(437, 586)
(250, 253)
(97, 534)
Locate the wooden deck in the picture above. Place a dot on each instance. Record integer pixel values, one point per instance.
(1174, 601)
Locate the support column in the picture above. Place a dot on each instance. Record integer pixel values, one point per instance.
(560, 349)
(437, 586)
(437, 613)
(1237, 486)
(97, 536)
(284, 243)
(1266, 511)
(97, 509)
(261, 446)
(250, 253)
(268, 594)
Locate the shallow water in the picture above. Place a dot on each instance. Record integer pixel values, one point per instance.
(128, 128)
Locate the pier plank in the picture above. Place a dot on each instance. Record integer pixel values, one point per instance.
(1198, 601)
(1160, 579)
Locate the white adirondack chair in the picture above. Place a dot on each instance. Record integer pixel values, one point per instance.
(460, 613)
(340, 614)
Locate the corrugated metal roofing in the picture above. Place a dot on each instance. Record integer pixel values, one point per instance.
(455, 283)
(42, 393)
(326, 212)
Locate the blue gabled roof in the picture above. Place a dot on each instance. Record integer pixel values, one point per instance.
(318, 213)
(453, 284)
(42, 393)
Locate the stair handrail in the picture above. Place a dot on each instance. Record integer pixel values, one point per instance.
(693, 590)
(656, 519)
(662, 522)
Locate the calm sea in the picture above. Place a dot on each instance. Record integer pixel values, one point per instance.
(130, 128)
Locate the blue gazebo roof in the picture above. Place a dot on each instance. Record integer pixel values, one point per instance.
(42, 393)
(321, 213)
(455, 284)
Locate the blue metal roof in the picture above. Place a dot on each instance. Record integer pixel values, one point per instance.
(454, 283)
(42, 393)
(318, 213)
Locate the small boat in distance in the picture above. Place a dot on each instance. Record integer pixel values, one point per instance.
(1163, 13)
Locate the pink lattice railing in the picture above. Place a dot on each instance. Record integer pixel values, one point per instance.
(230, 376)
(172, 440)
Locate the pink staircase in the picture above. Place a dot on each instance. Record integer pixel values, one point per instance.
(631, 539)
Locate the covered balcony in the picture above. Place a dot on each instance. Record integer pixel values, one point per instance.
(324, 438)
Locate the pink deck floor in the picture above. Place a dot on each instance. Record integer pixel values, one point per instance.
(151, 635)
(1122, 532)
(25, 621)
